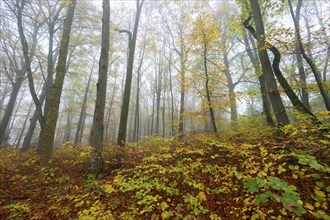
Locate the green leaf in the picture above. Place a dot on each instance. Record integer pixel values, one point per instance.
(252, 186)
(138, 195)
(262, 198)
(164, 205)
(320, 184)
(196, 211)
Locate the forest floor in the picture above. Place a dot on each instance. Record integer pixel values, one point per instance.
(238, 176)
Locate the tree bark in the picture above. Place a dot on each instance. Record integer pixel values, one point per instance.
(310, 61)
(50, 125)
(97, 133)
(300, 64)
(182, 95)
(129, 72)
(82, 116)
(23, 127)
(136, 129)
(263, 90)
(158, 82)
(10, 106)
(274, 95)
(172, 97)
(284, 83)
(33, 122)
(231, 90)
(208, 94)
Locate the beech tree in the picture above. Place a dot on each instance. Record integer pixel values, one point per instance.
(272, 90)
(98, 119)
(129, 73)
(309, 60)
(50, 124)
(19, 67)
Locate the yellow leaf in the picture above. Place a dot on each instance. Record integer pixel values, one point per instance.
(300, 202)
(283, 212)
(201, 196)
(309, 206)
(317, 204)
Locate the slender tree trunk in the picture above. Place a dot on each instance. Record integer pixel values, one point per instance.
(67, 133)
(82, 115)
(231, 90)
(208, 95)
(300, 64)
(137, 110)
(127, 92)
(182, 97)
(13, 120)
(5, 90)
(27, 60)
(326, 37)
(158, 96)
(274, 95)
(10, 106)
(263, 90)
(98, 120)
(33, 122)
(172, 97)
(24, 125)
(284, 83)
(163, 110)
(107, 127)
(137, 98)
(152, 115)
(310, 61)
(50, 125)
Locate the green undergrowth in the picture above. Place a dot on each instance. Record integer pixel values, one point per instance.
(199, 177)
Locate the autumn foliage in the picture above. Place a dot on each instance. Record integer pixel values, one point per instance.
(280, 175)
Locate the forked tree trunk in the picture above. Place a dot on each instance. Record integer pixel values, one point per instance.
(127, 91)
(50, 125)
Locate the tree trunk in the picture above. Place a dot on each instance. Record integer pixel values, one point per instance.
(172, 98)
(182, 97)
(98, 119)
(163, 111)
(284, 83)
(310, 61)
(274, 95)
(10, 106)
(33, 122)
(50, 125)
(13, 119)
(107, 127)
(208, 95)
(300, 64)
(263, 90)
(67, 133)
(323, 28)
(158, 96)
(137, 98)
(231, 90)
(127, 91)
(24, 125)
(82, 116)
